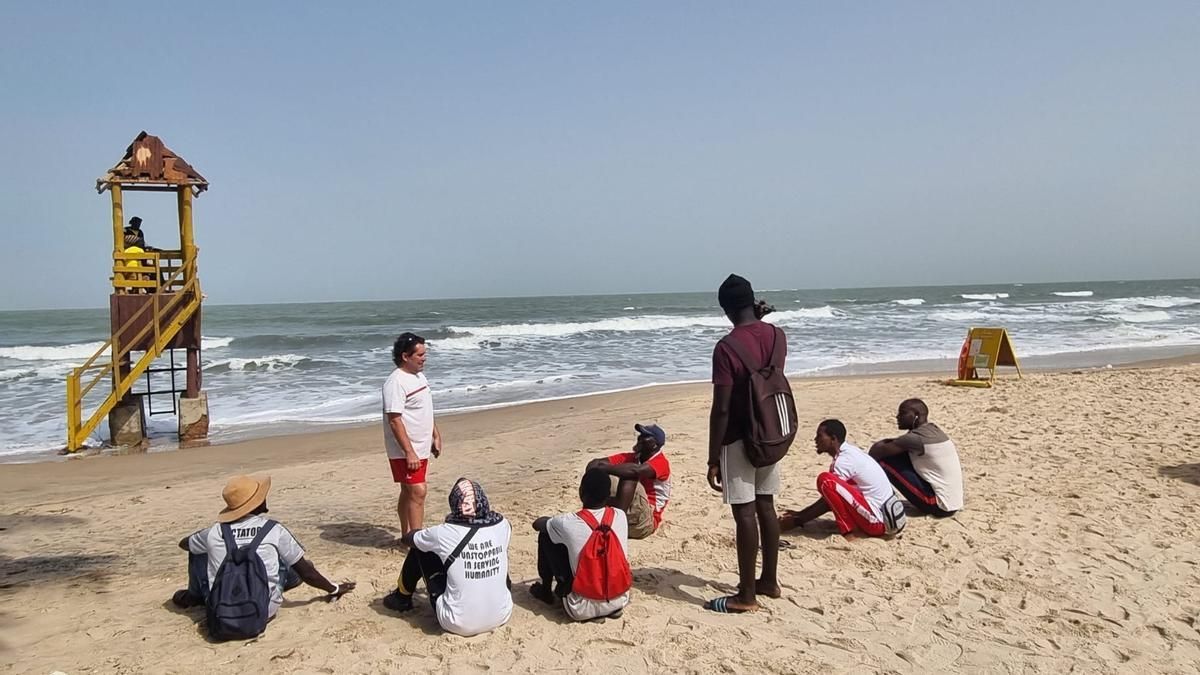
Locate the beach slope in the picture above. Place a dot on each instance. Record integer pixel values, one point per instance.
(1077, 551)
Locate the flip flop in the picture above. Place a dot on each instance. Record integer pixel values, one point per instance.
(721, 606)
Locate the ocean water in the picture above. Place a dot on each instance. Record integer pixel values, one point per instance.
(273, 369)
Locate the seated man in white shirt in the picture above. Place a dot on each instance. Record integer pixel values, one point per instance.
(562, 538)
(245, 513)
(855, 489)
(464, 563)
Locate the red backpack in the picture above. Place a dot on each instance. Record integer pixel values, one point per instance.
(603, 572)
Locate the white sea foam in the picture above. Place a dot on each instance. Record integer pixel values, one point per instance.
(26, 449)
(983, 296)
(339, 410)
(961, 315)
(616, 325)
(1142, 317)
(632, 324)
(804, 314)
(468, 343)
(10, 374)
(80, 351)
(910, 302)
(1160, 301)
(1073, 294)
(269, 362)
(73, 352)
(509, 384)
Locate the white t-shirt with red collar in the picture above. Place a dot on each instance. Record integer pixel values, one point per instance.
(409, 395)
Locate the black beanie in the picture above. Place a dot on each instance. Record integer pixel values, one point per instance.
(735, 293)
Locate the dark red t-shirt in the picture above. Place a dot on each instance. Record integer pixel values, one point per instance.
(727, 370)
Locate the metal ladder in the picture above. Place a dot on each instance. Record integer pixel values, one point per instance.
(170, 392)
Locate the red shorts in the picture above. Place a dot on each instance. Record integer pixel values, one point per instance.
(401, 474)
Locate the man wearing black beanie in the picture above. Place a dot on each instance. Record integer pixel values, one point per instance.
(749, 490)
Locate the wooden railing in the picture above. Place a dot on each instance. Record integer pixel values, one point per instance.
(147, 272)
(181, 298)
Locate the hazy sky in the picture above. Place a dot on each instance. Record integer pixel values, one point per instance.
(425, 150)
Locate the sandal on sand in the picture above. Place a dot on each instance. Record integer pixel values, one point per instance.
(397, 602)
(721, 606)
(542, 592)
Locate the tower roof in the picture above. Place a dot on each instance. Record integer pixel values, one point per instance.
(148, 161)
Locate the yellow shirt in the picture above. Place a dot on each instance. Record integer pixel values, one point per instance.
(130, 276)
(133, 249)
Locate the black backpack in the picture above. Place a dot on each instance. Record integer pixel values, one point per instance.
(239, 601)
(771, 409)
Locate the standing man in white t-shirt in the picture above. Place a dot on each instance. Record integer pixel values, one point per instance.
(855, 489)
(409, 432)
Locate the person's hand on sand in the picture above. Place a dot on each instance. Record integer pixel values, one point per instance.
(343, 587)
(714, 477)
(788, 520)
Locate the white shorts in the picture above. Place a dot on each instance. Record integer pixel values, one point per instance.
(741, 481)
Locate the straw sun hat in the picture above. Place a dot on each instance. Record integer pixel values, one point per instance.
(242, 495)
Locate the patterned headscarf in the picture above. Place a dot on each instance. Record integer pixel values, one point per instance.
(469, 505)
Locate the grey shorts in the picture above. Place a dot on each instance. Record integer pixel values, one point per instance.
(741, 481)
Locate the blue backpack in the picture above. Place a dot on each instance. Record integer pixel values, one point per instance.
(239, 601)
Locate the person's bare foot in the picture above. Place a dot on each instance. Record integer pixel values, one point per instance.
(767, 590)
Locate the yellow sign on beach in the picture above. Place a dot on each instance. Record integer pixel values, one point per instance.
(984, 350)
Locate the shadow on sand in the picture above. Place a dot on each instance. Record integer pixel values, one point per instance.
(1188, 473)
(367, 535)
(38, 569)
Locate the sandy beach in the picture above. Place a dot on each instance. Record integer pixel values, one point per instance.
(1077, 551)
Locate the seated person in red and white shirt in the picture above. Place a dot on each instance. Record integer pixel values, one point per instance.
(641, 480)
(855, 489)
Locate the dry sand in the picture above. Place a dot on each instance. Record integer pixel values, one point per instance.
(1077, 550)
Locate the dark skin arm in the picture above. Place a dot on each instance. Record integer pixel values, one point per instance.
(718, 424)
(408, 537)
(540, 524)
(308, 574)
(623, 471)
(888, 447)
(810, 512)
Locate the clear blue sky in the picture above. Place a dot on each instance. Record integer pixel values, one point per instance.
(390, 151)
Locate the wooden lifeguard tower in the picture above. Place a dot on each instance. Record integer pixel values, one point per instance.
(154, 310)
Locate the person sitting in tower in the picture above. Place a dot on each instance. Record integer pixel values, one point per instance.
(135, 224)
